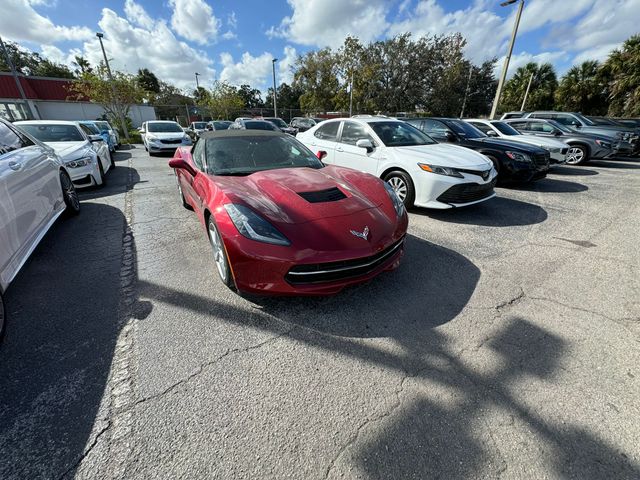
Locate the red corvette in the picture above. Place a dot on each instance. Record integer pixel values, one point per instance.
(280, 222)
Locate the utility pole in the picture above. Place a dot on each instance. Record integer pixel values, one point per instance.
(505, 67)
(116, 100)
(351, 95)
(466, 92)
(197, 84)
(14, 73)
(526, 94)
(275, 105)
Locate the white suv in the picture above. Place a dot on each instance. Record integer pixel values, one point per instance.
(421, 171)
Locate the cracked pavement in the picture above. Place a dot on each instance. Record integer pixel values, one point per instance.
(506, 345)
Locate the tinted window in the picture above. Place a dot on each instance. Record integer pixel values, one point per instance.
(481, 126)
(464, 129)
(504, 128)
(253, 125)
(400, 134)
(278, 122)
(328, 131)
(10, 140)
(89, 129)
(200, 125)
(416, 123)
(352, 132)
(521, 125)
(54, 133)
(542, 115)
(221, 125)
(103, 125)
(169, 127)
(249, 154)
(541, 127)
(434, 126)
(198, 154)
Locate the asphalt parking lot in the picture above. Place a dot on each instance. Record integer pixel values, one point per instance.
(506, 345)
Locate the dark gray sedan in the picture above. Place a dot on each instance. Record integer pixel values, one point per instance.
(582, 146)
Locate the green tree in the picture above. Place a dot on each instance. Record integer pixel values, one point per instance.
(32, 63)
(147, 81)
(316, 75)
(82, 65)
(541, 93)
(96, 87)
(582, 89)
(622, 72)
(224, 101)
(252, 97)
(47, 68)
(288, 97)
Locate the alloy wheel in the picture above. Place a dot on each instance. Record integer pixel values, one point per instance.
(218, 252)
(575, 155)
(69, 192)
(399, 187)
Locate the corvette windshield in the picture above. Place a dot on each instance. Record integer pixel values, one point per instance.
(400, 134)
(244, 155)
(54, 133)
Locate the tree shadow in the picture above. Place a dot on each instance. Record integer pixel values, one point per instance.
(497, 212)
(617, 163)
(576, 171)
(550, 185)
(63, 326)
(117, 183)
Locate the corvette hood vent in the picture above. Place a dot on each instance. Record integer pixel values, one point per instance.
(329, 195)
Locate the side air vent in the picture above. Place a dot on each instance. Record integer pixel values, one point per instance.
(329, 195)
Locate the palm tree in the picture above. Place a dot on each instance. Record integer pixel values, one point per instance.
(623, 71)
(82, 64)
(543, 87)
(582, 89)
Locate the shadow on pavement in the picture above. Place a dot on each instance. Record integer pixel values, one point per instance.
(618, 163)
(497, 212)
(117, 179)
(570, 171)
(550, 185)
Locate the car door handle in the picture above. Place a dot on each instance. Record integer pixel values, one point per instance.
(15, 166)
(339, 149)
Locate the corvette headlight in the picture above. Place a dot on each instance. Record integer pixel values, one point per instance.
(397, 203)
(253, 226)
(448, 171)
(517, 156)
(80, 162)
(603, 144)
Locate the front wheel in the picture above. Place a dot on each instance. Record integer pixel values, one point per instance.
(577, 155)
(403, 186)
(219, 254)
(102, 181)
(69, 195)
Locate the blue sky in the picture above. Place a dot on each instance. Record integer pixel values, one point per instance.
(235, 40)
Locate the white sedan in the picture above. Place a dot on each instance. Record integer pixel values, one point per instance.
(160, 136)
(495, 128)
(35, 188)
(85, 155)
(421, 171)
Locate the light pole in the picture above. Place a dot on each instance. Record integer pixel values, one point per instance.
(116, 101)
(197, 84)
(505, 67)
(526, 94)
(17, 80)
(275, 105)
(351, 95)
(466, 92)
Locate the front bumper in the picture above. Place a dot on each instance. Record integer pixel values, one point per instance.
(558, 157)
(82, 177)
(264, 269)
(165, 147)
(442, 192)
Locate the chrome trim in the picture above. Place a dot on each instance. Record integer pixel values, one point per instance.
(342, 269)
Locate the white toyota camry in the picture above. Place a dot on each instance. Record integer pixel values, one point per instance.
(422, 172)
(86, 156)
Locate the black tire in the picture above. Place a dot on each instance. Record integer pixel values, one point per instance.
(69, 195)
(113, 160)
(102, 177)
(184, 202)
(578, 154)
(3, 317)
(496, 163)
(403, 185)
(222, 262)
(151, 154)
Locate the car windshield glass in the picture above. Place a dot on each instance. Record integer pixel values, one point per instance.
(560, 127)
(263, 125)
(103, 125)
(400, 134)
(92, 128)
(306, 122)
(221, 125)
(585, 120)
(200, 125)
(249, 154)
(464, 129)
(278, 122)
(161, 127)
(54, 133)
(505, 128)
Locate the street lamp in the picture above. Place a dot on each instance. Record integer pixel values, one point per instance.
(197, 84)
(505, 67)
(275, 107)
(123, 123)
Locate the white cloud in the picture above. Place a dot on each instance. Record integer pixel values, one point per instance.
(194, 20)
(285, 65)
(20, 22)
(324, 23)
(137, 15)
(249, 70)
(522, 58)
(229, 35)
(232, 21)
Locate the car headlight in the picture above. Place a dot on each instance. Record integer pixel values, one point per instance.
(603, 144)
(397, 203)
(151, 138)
(253, 226)
(80, 162)
(517, 156)
(448, 171)
(186, 139)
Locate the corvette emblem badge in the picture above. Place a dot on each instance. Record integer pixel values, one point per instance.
(363, 234)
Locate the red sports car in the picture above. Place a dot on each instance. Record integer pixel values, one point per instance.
(280, 222)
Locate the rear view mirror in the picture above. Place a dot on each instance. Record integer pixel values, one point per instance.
(180, 164)
(491, 133)
(321, 154)
(450, 136)
(95, 138)
(365, 143)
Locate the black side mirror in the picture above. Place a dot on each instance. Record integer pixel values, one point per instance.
(451, 137)
(557, 133)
